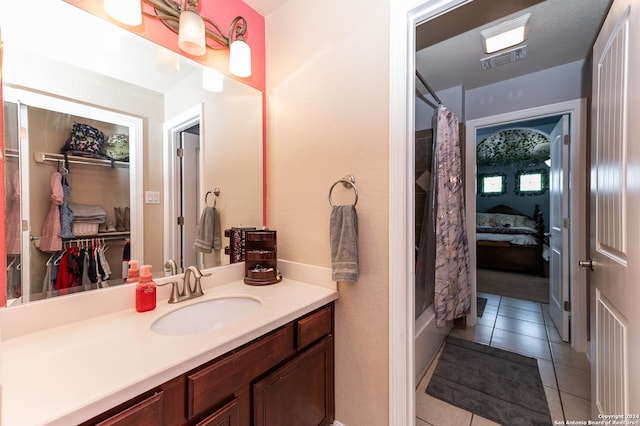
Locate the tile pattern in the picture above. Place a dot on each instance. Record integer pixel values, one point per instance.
(524, 327)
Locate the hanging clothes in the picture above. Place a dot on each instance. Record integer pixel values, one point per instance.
(50, 240)
(14, 278)
(452, 278)
(66, 214)
(13, 218)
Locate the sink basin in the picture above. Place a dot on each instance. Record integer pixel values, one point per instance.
(205, 316)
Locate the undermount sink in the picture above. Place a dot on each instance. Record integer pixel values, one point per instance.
(205, 316)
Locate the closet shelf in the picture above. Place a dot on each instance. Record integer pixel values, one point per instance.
(41, 157)
(109, 235)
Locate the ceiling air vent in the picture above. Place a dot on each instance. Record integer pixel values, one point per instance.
(504, 57)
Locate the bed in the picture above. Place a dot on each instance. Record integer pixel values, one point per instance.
(509, 240)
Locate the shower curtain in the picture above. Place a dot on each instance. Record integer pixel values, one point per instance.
(452, 280)
(442, 264)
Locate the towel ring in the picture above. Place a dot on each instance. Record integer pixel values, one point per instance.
(348, 182)
(216, 194)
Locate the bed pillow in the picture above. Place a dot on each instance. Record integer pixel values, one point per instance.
(485, 219)
(529, 223)
(496, 219)
(520, 220)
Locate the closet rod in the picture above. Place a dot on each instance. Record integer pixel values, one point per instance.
(105, 237)
(41, 157)
(424, 82)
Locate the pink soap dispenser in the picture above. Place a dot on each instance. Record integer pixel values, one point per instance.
(133, 274)
(145, 291)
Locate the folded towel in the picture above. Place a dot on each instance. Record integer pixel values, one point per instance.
(343, 233)
(87, 210)
(208, 232)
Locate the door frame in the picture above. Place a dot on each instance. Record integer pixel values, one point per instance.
(404, 16)
(576, 110)
(171, 131)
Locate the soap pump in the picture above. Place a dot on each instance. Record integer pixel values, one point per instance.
(145, 291)
(133, 274)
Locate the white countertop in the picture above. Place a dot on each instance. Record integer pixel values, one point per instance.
(70, 373)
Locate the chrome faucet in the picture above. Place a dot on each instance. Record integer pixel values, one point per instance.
(196, 291)
(171, 266)
(187, 292)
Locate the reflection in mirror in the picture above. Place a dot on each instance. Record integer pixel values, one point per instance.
(127, 204)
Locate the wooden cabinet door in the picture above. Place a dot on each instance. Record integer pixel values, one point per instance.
(300, 393)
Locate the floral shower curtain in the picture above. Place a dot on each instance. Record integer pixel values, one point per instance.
(452, 280)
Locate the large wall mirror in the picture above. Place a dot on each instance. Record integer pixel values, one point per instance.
(188, 148)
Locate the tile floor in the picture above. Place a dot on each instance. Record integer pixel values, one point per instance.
(524, 327)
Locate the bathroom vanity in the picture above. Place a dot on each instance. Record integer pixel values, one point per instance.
(275, 366)
(282, 378)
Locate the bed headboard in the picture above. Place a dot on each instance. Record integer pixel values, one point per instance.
(507, 210)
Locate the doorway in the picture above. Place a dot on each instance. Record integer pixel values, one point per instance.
(404, 18)
(187, 158)
(183, 174)
(573, 281)
(512, 208)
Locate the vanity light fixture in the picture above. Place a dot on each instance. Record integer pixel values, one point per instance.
(506, 34)
(195, 32)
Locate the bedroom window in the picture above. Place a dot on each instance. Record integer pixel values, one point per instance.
(531, 182)
(492, 184)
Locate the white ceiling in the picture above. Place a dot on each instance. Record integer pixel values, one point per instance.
(560, 32)
(264, 7)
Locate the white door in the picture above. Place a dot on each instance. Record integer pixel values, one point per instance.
(559, 227)
(189, 191)
(615, 203)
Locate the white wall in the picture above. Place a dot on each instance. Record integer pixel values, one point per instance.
(553, 85)
(328, 116)
(231, 150)
(452, 98)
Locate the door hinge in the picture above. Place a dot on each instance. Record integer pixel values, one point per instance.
(180, 152)
(180, 220)
(567, 139)
(566, 223)
(567, 306)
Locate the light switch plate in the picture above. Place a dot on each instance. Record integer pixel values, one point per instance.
(152, 197)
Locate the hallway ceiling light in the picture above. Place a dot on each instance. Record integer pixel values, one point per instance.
(195, 32)
(506, 34)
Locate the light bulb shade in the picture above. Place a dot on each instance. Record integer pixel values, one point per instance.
(191, 36)
(129, 12)
(240, 59)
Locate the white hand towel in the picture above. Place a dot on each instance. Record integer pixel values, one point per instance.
(343, 230)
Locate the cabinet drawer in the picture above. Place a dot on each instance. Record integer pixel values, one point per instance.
(211, 385)
(226, 416)
(147, 412)
(313, 327)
